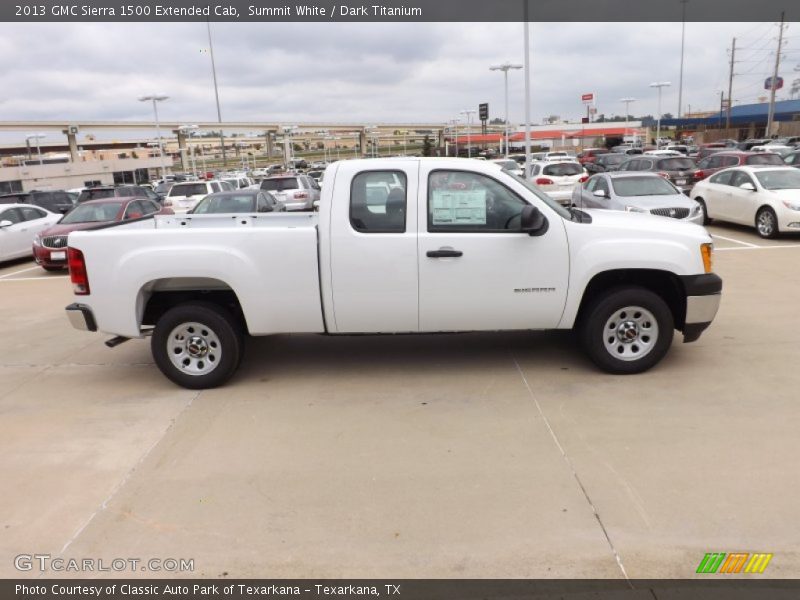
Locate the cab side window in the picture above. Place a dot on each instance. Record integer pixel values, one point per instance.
(378, 202)
(460, 201)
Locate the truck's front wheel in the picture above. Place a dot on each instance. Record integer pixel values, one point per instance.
(627, 330)
(197, 345)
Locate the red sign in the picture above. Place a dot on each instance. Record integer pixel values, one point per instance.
(768, 85)
(587, 98)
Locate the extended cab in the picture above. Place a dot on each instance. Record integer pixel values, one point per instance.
(447, 245)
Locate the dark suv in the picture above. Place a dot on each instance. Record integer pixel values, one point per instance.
(678, 170)
(733, 158)
(57, 201)
(120, 191)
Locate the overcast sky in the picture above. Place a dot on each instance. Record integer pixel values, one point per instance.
(374, 72)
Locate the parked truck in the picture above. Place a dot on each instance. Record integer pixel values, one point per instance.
(398, 245)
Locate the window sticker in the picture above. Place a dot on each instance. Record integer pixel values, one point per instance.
(459, 207)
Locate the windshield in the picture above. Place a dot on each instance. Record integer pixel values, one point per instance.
(96, 194)
(226, 203)
(93, 213)
(563, 169)
(779, 180)
(642, 186)
(676, 164)
(188, 189)
(767, 158)
(278, 185)
(563, 212)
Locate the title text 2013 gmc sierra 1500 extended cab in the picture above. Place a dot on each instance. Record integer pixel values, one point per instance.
(399, 245)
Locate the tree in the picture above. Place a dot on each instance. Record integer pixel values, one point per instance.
(427, 146)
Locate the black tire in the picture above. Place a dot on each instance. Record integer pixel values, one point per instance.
(704, 210)
(608, 347)
(767, 223)
(217, 351)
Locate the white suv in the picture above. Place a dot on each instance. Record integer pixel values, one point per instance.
(183, 197)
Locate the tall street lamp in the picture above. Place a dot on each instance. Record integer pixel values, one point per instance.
(468, 113)
(155, 98)
(37, 137)
(659, 85)
(627, 102)
(454, 125)
(505, 67)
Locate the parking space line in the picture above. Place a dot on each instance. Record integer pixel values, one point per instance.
(48, 278)
(18, 272)
(727, 239)
(759, 247)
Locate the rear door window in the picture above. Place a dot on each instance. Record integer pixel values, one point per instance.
(722, 178)
(676, 164)
(376, 206)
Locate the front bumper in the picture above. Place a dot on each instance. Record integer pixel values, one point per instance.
(81, 317)
(703, 296)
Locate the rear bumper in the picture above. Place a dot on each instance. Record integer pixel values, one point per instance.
(81, 317)
(703, 296)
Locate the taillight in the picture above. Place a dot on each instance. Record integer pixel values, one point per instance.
(662, 174)
(699, 175)
(77, 272)
(543, 181)
(583, 179)
(300, 195)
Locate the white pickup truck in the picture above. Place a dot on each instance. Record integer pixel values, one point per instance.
(399, 245)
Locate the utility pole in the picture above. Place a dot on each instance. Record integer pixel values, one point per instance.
(527, 67)
(683, 36)
(773, 86)
(730, 86)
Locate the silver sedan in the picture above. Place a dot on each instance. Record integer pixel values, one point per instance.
(636, 191)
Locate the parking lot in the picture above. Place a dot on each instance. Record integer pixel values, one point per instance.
(468, 455)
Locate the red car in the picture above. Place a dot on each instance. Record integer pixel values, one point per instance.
(50, 246)
(734, 158)
(590, 155)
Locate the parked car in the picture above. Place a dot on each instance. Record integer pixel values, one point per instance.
(679, 148)
(55, 201)
(679, 170)
(663, 153)
(50, 245)
(774, 148)
(510, 165)
(734, 158)
(637, 192)
(558, 179)
(764, 197)
(793, 159)
(296, 192)
(317, 175)
(118, 191)
(589, 155)
(240, 201)
(627, 149)
(606, 162)
(430, 260)
(19, 224)
(749, 143)
(183, 197)
(705, 151)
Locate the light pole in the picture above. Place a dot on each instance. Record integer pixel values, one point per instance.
(683, 36)
(468, 113)
(627, 102)
(155, 98)
(454, 123)
(659, 85)
(505, 68)
(37, 137)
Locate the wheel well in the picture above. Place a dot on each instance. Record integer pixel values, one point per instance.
(663, 283)
(160, 301)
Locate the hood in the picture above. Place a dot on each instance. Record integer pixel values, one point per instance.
(65, 229)
(788, 195)
(645, 223)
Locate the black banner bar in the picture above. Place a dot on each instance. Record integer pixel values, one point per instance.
(397, 10)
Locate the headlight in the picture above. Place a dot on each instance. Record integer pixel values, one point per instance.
(634, 209)
(791, 205)
(37, 240)
(696, 210)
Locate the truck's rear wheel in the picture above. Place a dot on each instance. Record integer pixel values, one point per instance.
(197, 345)
(627, 330)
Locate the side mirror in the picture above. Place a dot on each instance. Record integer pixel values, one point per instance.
(748, 186)
(600, 194)
(532, 221)
(5, 224)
